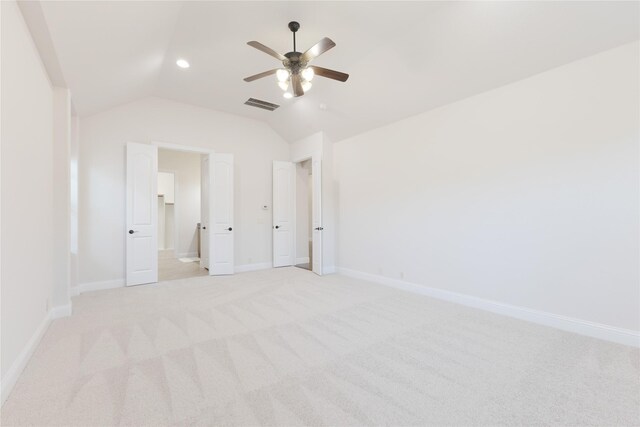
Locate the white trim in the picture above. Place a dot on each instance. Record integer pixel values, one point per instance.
(179, 147)
(98, 286)
(329, 270)
(302, 260)
(565, 323)
(11, 377)
(61, 311)
(253, 267)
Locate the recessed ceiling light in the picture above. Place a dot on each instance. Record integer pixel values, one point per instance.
(287, 95)
(182, 63)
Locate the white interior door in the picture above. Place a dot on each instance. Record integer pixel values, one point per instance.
(206, 200)
(283, 213)
(221, 250)
(316, 214)
(142, 214)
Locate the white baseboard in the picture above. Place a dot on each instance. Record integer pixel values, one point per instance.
(11, 377)
(302, 260)
(565, 323)
(329, 270)
(96, 286)
(253, 267)
(61, 311)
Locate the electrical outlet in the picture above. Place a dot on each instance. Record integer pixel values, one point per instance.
(402, 275)
(250, 259)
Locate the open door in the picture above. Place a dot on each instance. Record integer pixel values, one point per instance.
(283, 213)
(142, 214)
(206, 200)
(221, 251)
(316, 214)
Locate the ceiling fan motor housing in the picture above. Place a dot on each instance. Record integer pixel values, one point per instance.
(293, 62)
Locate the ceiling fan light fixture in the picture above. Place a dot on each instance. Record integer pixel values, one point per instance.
(288, 95)
(306, 85)
(308, 74)
(282, 75)
(284, 85)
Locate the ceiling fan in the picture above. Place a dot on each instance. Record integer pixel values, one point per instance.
(297, 73)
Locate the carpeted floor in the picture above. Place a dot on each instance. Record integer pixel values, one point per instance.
(285, 347)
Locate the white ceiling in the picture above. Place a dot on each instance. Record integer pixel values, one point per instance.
(403, 57)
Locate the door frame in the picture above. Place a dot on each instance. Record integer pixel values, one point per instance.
(186, 149)
(316, 155)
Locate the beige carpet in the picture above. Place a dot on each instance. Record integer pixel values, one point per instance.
(286, 347)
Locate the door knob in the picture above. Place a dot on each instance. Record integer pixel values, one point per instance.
(131, 231)
(277, 226)
(204, 228)
(229, 228)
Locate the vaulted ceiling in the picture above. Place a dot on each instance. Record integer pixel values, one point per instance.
(403, 57)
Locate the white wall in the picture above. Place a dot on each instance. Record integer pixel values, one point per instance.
(525, 195)
(27, 194)
(102, 176)
(187, 177)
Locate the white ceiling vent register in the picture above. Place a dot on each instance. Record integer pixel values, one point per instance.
(261, 104)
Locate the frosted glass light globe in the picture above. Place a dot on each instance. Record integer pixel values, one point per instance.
(308, 74)
(282, 75)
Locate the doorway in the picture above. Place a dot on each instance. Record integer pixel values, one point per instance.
(304, 203)
(297, 213)
(210, 248)
(179, 215)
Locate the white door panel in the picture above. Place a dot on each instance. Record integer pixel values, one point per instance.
(283, 213)
(222, 224)
(142, 214)
(205, 209)
(316, 214)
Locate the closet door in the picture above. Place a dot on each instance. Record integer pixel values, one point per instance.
(283, 213)
(316, 214)
(222, 229)
(142, 214)
(206, 189)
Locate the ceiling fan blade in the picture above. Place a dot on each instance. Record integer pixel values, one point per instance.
(330, 74)
(260, 75)
(266, 50)
(296, 82)
(318, 49)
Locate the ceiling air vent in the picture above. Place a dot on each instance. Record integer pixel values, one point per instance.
(261, 104)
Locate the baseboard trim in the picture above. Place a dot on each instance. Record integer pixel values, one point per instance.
(330, 270)
(253, 267)
(565, 323)
(302, 260)
(96, 286)
(61, 311)
(11, 378)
